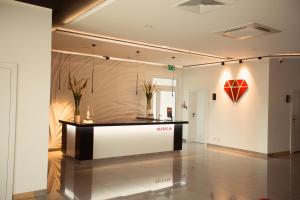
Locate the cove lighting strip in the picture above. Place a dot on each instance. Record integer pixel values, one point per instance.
(83, 11)
(91, 36)
(111, 58)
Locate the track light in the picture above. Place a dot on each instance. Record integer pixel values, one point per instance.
(241, 61)
(222, 63)
(259, 58)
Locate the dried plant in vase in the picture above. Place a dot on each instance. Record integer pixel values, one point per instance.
(77, 86)
(149, 89)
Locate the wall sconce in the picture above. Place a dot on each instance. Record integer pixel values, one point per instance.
(287, 98)
(184, 106)
(214, 96)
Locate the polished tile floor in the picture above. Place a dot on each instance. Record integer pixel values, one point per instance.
(196, 173)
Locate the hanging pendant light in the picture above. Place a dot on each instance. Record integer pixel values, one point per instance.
(59, 75)
(69, 71)
(93, 66)
(173, 71)
(137, 73)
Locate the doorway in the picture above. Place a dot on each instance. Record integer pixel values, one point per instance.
(163, 100)
(197, 116)
(8, 85)
(295, 122)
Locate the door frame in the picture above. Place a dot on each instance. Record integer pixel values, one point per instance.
(12, 125)
(291, 120)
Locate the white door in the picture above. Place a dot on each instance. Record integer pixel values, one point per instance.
(7, 123)
(295, 122)
(198, 103)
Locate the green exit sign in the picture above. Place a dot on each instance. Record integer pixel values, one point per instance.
(171, 67)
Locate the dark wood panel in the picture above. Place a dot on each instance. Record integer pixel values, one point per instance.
(177, 137)
(84, 143)
(64, 138)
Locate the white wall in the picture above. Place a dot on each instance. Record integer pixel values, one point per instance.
(242, 125)
(283, 77)
(25, 39)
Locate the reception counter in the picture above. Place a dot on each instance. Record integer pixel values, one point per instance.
(120, 138)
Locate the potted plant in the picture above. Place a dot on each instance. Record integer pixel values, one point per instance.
(149, 89)
(76, 87)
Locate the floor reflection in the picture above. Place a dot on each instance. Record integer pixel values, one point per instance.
(107, 181)
(195, 173)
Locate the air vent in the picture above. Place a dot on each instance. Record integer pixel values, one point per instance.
(248, 31)
(202, 6)
(200, 2)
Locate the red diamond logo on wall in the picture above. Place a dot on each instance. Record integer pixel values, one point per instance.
(235, 89)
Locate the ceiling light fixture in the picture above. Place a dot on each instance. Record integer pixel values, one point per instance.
(279, 56)
(111, 58)
(114, 40)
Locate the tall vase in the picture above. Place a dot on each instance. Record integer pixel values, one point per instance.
(77, 111)
(149, 113)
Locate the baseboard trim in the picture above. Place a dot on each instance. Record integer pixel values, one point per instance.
(279, 154)
(238, 151)
(54, 149)
(27, 195)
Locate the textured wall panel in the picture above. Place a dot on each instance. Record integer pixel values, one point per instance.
(114, 94)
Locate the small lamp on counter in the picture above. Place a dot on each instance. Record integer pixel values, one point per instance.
(89, 115)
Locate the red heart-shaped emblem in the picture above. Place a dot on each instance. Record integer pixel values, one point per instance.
(235, 89)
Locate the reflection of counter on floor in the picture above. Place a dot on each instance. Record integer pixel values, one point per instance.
(121, 138)
(134, 176)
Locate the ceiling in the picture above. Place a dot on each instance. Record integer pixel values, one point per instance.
(62, 9)
(67, 41)
(162, 23)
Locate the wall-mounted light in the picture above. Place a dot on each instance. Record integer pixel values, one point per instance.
(287, 98)
(214, 96)
(241, 61)
(184, 106)
(106, 57)
(259, 58)
(222, 63)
